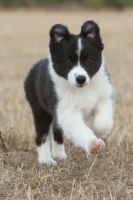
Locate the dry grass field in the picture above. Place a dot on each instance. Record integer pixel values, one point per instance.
(109, 176)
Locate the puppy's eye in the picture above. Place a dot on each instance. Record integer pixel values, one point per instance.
(68, 62)
(89, 60)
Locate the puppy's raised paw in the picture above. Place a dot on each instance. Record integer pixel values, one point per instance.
(97, 146)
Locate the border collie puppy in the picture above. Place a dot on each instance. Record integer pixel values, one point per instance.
(66, 89)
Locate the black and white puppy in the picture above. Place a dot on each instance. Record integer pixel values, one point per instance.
(64, 90)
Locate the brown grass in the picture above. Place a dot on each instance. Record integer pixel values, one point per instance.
(23, 41)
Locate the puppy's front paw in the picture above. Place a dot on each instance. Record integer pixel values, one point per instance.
(61, 156)
(97, 146)
(58, 151)
(44, 155)
(47, 161)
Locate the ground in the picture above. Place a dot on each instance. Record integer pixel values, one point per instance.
(108, 176)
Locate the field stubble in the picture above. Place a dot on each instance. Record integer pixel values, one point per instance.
(24, 40)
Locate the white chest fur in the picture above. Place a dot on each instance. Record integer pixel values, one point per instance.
(80, 100)
(76, 100)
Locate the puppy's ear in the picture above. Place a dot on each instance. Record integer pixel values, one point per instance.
(59, 34)
(91, 31)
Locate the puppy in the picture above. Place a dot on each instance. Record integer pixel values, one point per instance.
(64, 90)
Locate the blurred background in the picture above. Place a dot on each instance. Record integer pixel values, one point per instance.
(87, 3)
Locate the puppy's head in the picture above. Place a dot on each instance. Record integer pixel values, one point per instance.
(77, 58)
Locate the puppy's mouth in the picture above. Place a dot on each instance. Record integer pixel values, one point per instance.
(81, 85)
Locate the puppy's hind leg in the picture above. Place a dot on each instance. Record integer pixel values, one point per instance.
(42, 121)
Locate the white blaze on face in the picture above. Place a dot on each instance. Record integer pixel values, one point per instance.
(78, 70)
(79, 49)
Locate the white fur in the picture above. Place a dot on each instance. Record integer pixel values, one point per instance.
(58, 150)
(79, 48)
(76, 71)
(76, 105)
(103, 121)
(44, 153)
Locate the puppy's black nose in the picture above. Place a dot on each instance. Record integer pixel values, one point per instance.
(80, 79)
